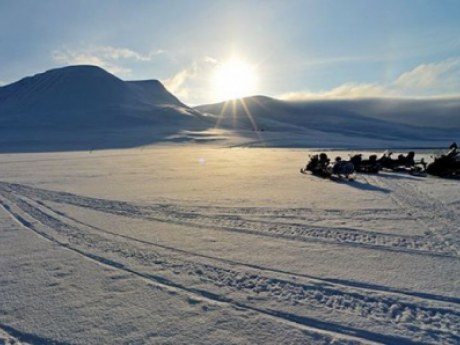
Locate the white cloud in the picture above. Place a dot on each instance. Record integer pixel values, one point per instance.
(190, 83)
(176, 83)
(112, 53)
(345, 91)
(210, 59)
(2, 82)
(106, 57)
(433, 79)
(430, 75)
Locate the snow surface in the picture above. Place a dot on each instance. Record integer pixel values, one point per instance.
(199, 239)
(190, 244)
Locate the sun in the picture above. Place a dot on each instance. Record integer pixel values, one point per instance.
(234, 78)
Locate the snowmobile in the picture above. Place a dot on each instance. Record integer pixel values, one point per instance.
(404, 163)
(370, 165)
(320, 165)
(446, 165)
(317, 165)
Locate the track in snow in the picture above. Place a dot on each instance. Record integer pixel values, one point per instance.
(11, 336)
(228, 219)
(298, 299)
(441, 219)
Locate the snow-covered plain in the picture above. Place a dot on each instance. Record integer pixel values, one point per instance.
(189, 244)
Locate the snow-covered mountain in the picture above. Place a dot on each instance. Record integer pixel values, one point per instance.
(266, 114)
(88, 97)
(442, 112)
(82, 107)
(85, 107)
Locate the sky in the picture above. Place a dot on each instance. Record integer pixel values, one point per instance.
(292, 49)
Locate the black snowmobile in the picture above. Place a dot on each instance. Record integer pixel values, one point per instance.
(320, 165)
(447, 165)
(370, 165)
(317, 165)
(404, 163)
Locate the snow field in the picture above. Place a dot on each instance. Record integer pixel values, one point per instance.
(293, 258)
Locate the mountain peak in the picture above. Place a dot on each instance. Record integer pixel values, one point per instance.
(85, 97)
(74, 71)
(79, 69)
(83, 87)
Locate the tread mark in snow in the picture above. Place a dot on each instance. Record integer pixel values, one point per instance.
(193, 216)
(409, 316)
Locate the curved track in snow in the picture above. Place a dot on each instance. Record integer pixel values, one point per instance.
(248, 220)
(375, 314)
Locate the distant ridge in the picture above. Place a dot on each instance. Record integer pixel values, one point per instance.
(438, 112)
(345, 118)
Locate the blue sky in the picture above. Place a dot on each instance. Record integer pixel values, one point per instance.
(300, 49)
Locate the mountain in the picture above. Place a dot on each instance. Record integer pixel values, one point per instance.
(266, 114)
(79, 106)
(429, 112)
(80, 87)
(85, 107)
(85, 97)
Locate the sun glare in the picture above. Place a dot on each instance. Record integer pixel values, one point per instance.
(234, 79)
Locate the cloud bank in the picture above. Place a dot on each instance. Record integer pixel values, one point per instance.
(433, 80)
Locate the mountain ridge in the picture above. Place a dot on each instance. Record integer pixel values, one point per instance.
(442, 112)
(77, 107)
(85, 96)
(268, 114)
(85, 107)
(80, 86)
